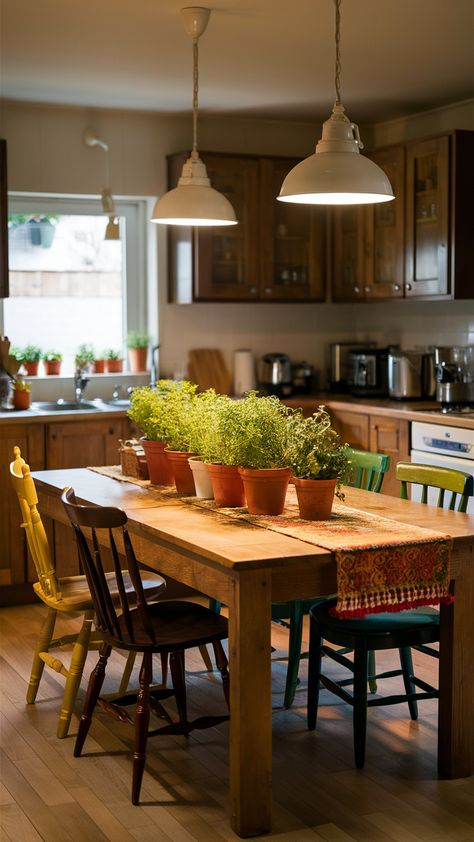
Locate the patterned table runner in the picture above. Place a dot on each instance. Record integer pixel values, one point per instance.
(408, 569)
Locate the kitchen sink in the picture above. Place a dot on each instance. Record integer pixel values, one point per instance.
(123, 403)
(64, 406)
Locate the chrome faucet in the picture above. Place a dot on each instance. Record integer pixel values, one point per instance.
(154, 365)
(80, 383)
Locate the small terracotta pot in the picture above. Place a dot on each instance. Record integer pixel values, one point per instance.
(52, 366)
(183, 475)
(114, 366)
(227, 486)
(202, 480)
(159, 468)
(137, 358)
(21, 399)
(265, 490)
(98, 367)
(315, 497)
(31, 367)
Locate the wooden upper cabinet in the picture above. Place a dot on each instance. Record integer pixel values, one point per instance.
(384, 231)
(276, 251)
(348, 231)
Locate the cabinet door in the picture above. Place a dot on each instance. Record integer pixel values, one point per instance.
(13, 554)
(293, 240)
(79, 444)
(427, 218)
(353, 427)
(390, 436)
(348, 277)
(384, 234)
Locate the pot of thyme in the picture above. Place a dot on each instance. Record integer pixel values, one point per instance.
(113, 360)
(21, 395)
(84, 357)
(52, 362)
(179, 421)
(203, 441)
(320, 463)
(137, 344)
(30, 358)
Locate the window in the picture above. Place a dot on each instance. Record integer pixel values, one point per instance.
(68, 285)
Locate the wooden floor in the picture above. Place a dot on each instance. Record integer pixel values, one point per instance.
(46, 793)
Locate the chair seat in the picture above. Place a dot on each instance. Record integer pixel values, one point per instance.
(76, 595)
(176, 625)
(383, 623)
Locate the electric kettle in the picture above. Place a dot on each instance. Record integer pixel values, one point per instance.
(275, 375)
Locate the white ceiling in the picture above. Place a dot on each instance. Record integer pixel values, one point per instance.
(258, 58)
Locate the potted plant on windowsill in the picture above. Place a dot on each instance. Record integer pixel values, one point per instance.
(52, 362)
(21, 395)
(319, 461)
(84, 357)
(30, 359)
(98, 366)
(113, 360)
(137, 344)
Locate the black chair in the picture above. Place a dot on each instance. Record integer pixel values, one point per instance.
(164, 628)
(403, 631)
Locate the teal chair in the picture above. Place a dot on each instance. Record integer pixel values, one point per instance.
(368, 471)
(403, 631)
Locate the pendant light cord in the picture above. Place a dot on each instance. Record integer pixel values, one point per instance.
(337, 78)
(195, 93)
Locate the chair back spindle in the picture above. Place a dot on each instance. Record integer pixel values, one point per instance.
(368, 469)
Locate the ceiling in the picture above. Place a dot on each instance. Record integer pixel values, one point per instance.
(258, 58)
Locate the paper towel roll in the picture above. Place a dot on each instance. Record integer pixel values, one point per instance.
(244, 372)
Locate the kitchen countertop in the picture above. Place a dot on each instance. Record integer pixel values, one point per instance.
(39, 416)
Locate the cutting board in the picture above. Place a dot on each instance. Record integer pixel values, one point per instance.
(207, 368)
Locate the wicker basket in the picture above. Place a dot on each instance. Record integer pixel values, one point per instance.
(132, 459)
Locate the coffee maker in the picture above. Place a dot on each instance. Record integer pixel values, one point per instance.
(454, 371)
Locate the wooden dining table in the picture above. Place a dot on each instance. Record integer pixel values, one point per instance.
(247, 568)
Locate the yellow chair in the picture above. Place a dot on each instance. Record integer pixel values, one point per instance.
(69, 596)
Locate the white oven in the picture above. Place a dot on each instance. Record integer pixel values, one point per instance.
(444, 446)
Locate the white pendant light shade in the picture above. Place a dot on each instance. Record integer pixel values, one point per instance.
(337, 174)
(194, 201)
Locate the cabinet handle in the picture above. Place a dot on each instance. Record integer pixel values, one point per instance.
(253, 290)
(396, 287)
(408, 287)
(111, 431)
(54, 436)
(368, 289)
(356, 290)
(268, 290)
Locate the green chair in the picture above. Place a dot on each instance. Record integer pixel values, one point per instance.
(368, 473)
(404, 630)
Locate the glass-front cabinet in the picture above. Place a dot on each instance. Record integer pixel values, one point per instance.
(385, 231)
(348, 277)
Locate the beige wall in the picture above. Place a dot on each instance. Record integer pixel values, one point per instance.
(47, 154)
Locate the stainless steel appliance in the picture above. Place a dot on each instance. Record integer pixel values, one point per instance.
(303, 376)
(410, 374)
(275, 375)
(445, 447)
(339, 363)
(369, 371)
(455, 374)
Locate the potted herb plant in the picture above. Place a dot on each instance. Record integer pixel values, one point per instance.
(98, 366)
(203, 440)
(84, 357)
(52, 362)
(319, 461)
(21, 395)
(113, 360)
(137, 344)
(30, 358)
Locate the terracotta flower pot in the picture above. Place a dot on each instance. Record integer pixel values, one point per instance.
(21, 398)
(265, 490)
(32, 367)
(98, 367)
(52, 366)
(227, 486)
(315, 497)
(114, 366)
(137, 358)
(183, 475)
(159, 468)
(202, 480)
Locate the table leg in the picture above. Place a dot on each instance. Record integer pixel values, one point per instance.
(250, 748)
(456, 676)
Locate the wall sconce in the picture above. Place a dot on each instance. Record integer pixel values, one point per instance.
(112, 231)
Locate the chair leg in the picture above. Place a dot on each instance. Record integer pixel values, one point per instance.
(294, 652)
(222, 666)
(372, 672)
(360, 703)
(164, 668)
(142, 721)
(406, 664)
(314, 670)
(125, 680)
(179, 684)
(37, 667)
(206, 658)
(93, 690)
(76, 668)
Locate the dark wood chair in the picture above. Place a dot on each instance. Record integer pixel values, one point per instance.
(166, 628)
(404, 630)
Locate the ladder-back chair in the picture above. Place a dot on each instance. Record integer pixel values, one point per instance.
(166, 628)
(67, 596)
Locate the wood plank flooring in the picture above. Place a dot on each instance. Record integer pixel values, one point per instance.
(47, 794)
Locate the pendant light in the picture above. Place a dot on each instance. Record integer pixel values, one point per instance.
(112, 231)
(337, 174)
(194, 201)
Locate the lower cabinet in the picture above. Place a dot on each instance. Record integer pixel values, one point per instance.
(79, 444)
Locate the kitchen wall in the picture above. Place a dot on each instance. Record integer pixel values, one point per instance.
(47, 155)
